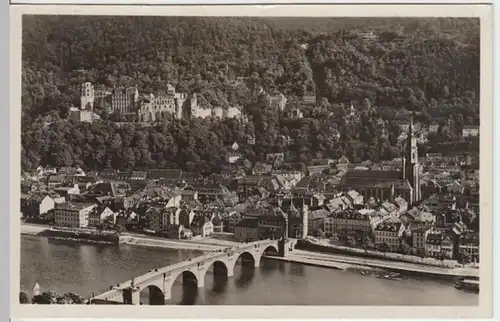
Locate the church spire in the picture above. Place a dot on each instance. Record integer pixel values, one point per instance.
(412, 168)
(411, 145)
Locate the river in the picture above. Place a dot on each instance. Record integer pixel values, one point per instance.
(83, 269)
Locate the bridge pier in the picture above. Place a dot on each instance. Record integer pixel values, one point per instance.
(284, 248)
(256, 260)
(131, 296)
(167, 293)
(230, 269)
(167, 287)
(200, 281)
(136, 297)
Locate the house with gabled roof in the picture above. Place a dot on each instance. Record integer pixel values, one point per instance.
(469, 244)
(217, 223)
(138, 175)
(344, 222)
(100, 215)
(389, 208)
(202, 226)
(179, 232)
(246, 230)
(165, 174)
(439, 244)
(71, 171)
(126, 217)
(186, 217)
(262, 169)
(55, 180)
(67, 191)
(36, 205)
(108, 174)
(343, 163)
(389, 232)
(355, 197)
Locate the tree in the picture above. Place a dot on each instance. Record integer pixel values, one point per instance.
(53, 298)
(351, 241)
(404, 248)
(367, 242)
(121, 229)
(45, 298)
(319, 233)
(336, 72)
(463, 257)
(24, 298)
(70, 298)
(384, 247)
(421, 253)
(442, 256)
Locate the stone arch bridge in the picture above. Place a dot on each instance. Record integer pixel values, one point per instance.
(160, 281)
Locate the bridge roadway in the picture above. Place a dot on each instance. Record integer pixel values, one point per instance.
(160, 280)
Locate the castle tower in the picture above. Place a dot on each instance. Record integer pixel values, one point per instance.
(193, 106)
(412, 167)
(87, 96)
(305, 221)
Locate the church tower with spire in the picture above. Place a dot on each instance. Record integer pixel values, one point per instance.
(411, 165)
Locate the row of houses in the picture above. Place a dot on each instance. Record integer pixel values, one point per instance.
(419, 229)
(339, 197)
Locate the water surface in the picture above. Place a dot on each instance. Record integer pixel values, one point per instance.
(80, 268)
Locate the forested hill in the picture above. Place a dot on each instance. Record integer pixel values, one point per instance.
(425, 65)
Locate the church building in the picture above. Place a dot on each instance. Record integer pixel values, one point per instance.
(388, 185)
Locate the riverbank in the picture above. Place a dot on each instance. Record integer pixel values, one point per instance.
(32, 229)
(325, 248)
(134, 239)
(313, 262)
(345, 262)
(165, 243)
(79, 235)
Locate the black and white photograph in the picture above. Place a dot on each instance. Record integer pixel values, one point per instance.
(246, 160)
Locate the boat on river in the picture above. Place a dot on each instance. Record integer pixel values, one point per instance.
(394, 276)
(468, 284)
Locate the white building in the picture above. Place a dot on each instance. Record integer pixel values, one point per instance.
(73, 214)
(470, 131)
(99, 215)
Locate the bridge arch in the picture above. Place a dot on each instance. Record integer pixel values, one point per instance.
(155, 294)
(189, 276)
(248, 259)
(247, 256)
(270, 249)
(192, 279)
(220, 268)
(217, 273)
(157, 282)
(253, 256)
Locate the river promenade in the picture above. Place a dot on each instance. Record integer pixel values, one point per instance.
(344, 262)
(134, 239)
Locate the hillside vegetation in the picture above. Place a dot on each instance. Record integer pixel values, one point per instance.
(428, 66)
